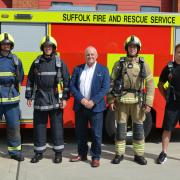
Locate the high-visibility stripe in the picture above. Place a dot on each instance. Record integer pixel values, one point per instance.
(29, 88)
(66, 89)
(46, 107)
(149, 78)
(128, 100)
(39, 148)
(149, 97)
(47, 73)
(58, 147)
(7, 74)
(139, 147)
(18, 148)
(17, 98)
(120, 147)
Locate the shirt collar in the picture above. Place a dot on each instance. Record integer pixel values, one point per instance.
(93, 66)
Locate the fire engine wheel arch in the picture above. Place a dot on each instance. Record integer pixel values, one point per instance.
(110, 125)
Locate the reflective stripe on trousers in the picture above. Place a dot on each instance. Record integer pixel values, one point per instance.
(42, 148)
(58, 147)
(18, 148)
(46, 107)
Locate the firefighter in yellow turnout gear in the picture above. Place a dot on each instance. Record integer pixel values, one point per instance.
(131, 94)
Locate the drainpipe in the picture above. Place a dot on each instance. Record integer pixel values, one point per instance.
(174, 5)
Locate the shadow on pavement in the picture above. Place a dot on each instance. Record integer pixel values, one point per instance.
(71, 146)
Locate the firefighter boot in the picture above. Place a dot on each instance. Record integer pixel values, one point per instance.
(117, 159)
(37, 157)
(18, 157)
(140, 160)
(58, 157)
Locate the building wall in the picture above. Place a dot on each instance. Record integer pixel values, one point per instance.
(178, 5)
(5, 3)
(166, 5)
(123, 5)
(25, 4)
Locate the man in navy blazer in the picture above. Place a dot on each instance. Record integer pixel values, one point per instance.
(89, 84)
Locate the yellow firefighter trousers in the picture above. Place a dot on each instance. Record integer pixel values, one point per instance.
(137, 114)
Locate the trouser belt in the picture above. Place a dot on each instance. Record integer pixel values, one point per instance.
(11, 86)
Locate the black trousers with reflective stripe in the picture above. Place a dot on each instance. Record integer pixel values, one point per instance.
(56, 123)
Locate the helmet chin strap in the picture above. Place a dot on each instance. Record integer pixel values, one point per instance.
(5, 53)
(50, 55)
(128, 55)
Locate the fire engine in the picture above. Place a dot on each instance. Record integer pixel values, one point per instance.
(106, 31)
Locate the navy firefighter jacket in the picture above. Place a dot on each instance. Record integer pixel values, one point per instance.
(42, 83)
(10, 78)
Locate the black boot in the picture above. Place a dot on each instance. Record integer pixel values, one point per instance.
(18, 157)
(58, 157)
(140, 160)
(117, 159)
(37, 157)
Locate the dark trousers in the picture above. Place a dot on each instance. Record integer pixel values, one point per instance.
(171, 116)
(56, 123)
(12, 115)
(82, 117)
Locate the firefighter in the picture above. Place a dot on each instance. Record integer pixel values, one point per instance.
(11, 75)
(170, 74)
(130, 77)
(48, 83)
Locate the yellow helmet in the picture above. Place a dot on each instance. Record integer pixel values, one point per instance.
(7, 38)
(48, 40)
(132, 40)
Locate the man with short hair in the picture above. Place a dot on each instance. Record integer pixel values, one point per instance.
(89, 84)
(170, 74)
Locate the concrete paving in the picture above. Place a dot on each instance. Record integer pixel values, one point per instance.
(126, 170)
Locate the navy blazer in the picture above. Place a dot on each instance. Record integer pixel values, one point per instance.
(99, 88)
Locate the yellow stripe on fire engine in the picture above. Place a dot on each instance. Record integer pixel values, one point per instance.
(27, 58)
(49, 29)
(94, 17)
(172, 41)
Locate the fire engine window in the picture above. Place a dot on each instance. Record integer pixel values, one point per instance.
(150, 9)
(27, 36)
(106, 7)
(177, 35)
(61, 3)
(68, 6)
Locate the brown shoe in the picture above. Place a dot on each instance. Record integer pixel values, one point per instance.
(95, 163)
(78, 158)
